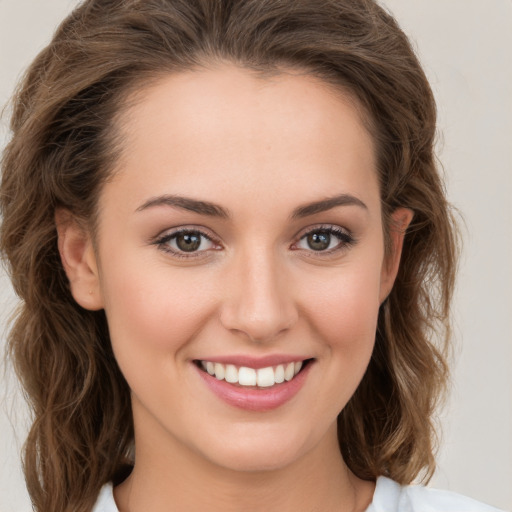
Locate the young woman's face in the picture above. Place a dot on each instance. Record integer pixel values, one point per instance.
(241, 233)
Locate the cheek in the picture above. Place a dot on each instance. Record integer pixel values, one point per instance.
(345, 310)
(343, 313)
(154, 312)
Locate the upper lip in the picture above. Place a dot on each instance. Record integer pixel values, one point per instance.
(255, 362)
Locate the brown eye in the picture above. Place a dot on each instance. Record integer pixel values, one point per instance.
(319, 240)
(326, 239)
(188, 242)
(185, 242)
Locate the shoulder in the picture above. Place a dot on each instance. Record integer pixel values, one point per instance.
(390, 495)
(105, 501)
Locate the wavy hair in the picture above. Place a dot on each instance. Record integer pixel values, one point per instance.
(64, 146)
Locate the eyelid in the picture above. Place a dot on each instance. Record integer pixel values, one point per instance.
(333, 229)
(164, 237)
(344, 235)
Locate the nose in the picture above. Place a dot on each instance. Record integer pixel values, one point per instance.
(258, 301)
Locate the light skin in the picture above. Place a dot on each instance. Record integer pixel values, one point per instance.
(262, 151)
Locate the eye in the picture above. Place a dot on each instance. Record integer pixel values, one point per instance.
(325, 239)
(185, 242)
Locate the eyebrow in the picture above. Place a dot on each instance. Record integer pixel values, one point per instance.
(187, 203)
(327, 204)
(214, 210)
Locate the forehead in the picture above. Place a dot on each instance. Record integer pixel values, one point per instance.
(284, 134)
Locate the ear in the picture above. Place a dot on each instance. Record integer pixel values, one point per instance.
(79, 260)
(400, 220)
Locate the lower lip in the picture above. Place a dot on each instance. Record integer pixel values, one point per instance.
(251, 399)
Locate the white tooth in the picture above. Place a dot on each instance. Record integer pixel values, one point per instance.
(210, 368)
(231, 373)
(297, 367)
(279, 374)
(203, 364)
(288, 372)
(246, 376)
(265, 377)
(219, 371)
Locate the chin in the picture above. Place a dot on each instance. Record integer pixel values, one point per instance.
(255, 462)
(257, 453)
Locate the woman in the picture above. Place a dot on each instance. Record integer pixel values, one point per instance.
(234, 250)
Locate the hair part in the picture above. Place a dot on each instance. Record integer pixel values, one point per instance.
(65, 144)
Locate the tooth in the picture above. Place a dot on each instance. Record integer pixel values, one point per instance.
(246, 376)
(219, 371)
(288, 372)
(210, 368)
(231, 373)
(265, 377)
(279, 374)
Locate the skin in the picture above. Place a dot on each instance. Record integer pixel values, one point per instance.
(259, 148)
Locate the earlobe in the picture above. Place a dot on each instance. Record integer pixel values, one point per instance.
(400, 220)
(79, 260)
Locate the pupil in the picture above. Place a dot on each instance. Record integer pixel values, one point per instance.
(319, 241)
(188, 242)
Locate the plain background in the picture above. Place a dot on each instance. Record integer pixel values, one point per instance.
(465, 48)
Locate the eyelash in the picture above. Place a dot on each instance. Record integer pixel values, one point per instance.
(163, 241)
(345, 238)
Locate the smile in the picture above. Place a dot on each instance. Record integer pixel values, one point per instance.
(254, 384)
(252, 377)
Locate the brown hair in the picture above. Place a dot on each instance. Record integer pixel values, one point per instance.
(63, 148)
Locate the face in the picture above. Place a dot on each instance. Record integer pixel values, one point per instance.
(241, 236)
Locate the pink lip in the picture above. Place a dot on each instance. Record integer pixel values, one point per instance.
(255, 399)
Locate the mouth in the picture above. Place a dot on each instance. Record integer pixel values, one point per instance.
(254, 378)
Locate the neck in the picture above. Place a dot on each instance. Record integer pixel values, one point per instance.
(171, 477)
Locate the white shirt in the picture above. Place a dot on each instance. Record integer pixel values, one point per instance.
(388, 497)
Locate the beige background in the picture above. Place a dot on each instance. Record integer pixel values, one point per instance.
(465, 46)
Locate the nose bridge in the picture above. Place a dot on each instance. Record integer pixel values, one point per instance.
(259, 302)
